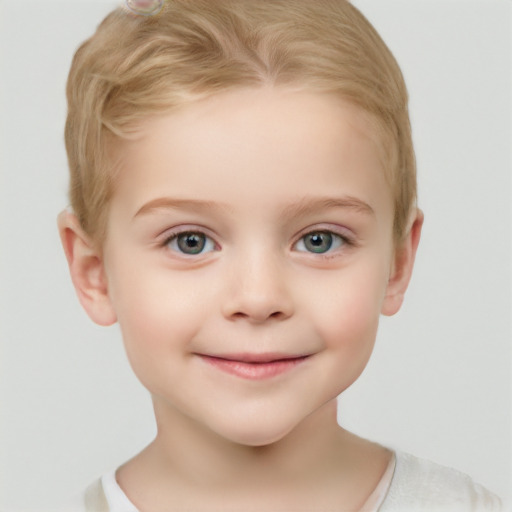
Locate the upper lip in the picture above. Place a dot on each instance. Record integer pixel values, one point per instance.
(266, 357)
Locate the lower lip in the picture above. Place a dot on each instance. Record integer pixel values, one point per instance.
(254, 371)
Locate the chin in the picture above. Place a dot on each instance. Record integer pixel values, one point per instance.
(257, 439)
(256, 432)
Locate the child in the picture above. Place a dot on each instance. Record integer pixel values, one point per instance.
(244, 205)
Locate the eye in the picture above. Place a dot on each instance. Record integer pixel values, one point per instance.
(320, 242)
(190, 243)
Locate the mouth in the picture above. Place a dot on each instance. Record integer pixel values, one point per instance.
(254, 366)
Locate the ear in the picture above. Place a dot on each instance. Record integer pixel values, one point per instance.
(87, 270)
(401, 269)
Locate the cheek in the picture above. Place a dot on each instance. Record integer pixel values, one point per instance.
(348, 316)
(348, 327)
(158, 313)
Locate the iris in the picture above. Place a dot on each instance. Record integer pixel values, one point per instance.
(318, 242)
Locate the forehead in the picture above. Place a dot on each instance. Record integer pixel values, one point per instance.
(256, 146)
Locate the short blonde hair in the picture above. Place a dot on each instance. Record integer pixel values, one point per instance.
(137, 66)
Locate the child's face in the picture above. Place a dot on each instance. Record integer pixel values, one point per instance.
(252, 227)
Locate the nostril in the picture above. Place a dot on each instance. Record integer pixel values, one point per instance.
(258, 316)
(258, 301)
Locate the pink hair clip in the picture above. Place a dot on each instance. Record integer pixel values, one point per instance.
(145, 7)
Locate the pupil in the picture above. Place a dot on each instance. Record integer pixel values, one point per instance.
(319, 242)
(191, 243)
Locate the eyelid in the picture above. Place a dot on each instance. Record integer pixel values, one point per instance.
(338, 230)
(169, 234)
(346, 235)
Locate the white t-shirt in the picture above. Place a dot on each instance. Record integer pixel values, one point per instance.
(116, 498)
(409, 484)
(119, 502)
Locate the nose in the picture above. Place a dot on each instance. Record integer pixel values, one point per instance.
(258, 290)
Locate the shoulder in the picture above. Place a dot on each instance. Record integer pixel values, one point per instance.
(91, 500)
(420, 485)
(95, 499)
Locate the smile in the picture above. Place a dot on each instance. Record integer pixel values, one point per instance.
(254, 366)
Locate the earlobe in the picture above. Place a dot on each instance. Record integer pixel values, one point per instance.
(87, 270)
(403, 263)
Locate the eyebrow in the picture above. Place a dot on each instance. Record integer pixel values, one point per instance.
(309, 205)
(301, 208)
(166, 203)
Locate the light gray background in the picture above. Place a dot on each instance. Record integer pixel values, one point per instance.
(439, 381)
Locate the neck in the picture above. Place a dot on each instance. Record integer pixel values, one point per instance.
(186, 459)
(200, 455)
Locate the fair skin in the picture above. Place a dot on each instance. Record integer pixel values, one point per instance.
(247, 229)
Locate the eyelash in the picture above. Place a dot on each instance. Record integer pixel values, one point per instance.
(337, 239)
(341, 241)
(173, 237)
